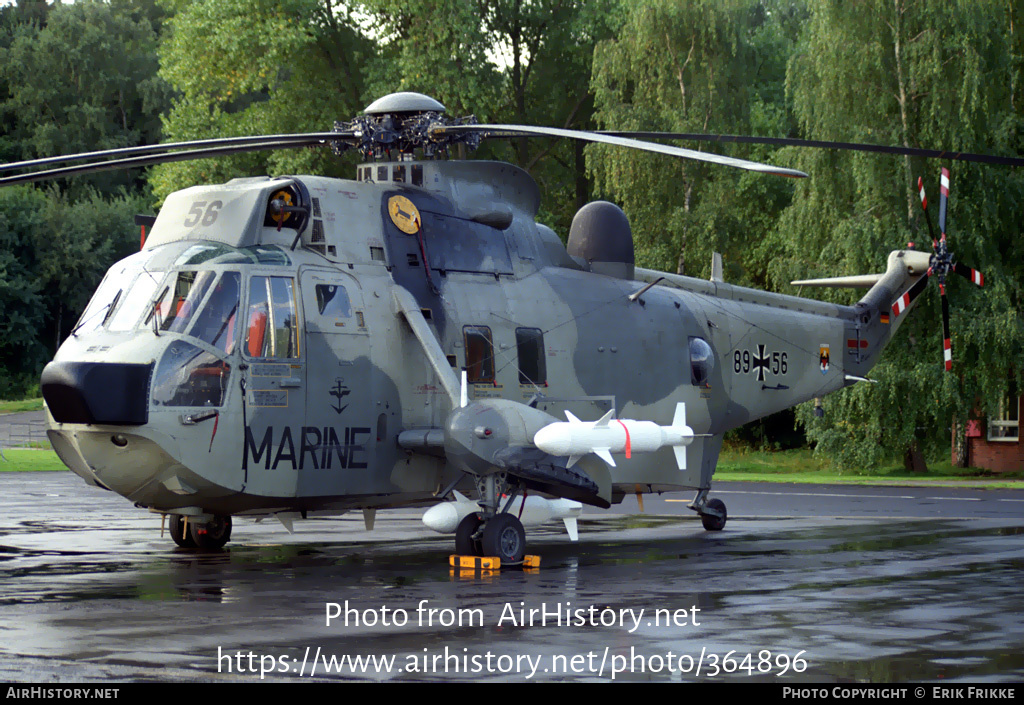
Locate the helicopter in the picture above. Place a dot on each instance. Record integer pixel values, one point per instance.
(303, 345)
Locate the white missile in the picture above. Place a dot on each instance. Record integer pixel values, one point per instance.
(444, 518)
(608, 435)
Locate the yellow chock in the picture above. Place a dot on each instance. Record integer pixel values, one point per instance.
(474, 562)
(490, 563)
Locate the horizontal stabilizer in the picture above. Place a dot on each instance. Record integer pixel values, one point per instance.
(858, 281)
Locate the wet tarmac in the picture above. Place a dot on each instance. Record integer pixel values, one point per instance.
(89, 591)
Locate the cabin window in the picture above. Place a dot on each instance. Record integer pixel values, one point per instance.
(272, 319)
(702, 362)
(1004, 425)
(530, 349)
(479, 354)
(332, 301)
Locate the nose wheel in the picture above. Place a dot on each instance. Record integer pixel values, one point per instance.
(180, 532)
(207, 536)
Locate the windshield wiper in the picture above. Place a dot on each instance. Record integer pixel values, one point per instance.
(109, 308)
(153, 314)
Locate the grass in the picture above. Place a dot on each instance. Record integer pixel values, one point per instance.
(30, 460)
(14, 407)
(801, 466)
(795, 466)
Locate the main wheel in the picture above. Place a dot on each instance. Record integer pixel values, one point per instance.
(505, 538)
(465, 544)
(212, 535)
(710, 521)
(180, 532)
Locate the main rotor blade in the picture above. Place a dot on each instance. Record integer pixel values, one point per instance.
(969, 273)
(850, 146)
(134, 162)
(947, 344)
(528, 131)
(170, 146)
(907, 297)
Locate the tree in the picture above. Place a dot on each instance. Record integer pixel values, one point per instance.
(248, 67)
(80, 77)
(923, 75)
(694, 67)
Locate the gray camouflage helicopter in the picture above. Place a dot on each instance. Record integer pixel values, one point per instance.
(300, 344)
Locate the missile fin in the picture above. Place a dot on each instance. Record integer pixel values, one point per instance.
(604, 455)
(461, 498)
(464, 391)
(573, 460)
(571, 528)
(286, 521)
(603, 421)
(680, 456)
(572, 419)
(369, 517)
(680, 418)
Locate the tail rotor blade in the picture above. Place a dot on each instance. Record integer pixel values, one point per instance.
(944, 196)
(924, 207)
(947, 346)
(903, 302)
(973, 275)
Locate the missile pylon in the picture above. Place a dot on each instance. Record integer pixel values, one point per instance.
(607, 435)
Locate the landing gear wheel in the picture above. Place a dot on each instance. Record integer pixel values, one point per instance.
(712, 522)
(505, 538)
(465, 544)
(211, 536)
(181, 533)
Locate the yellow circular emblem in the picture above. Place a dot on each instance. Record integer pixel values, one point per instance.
(404, 214)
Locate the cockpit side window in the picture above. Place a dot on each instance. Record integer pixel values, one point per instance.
(217, 322)
(181, 305)
(272, 318)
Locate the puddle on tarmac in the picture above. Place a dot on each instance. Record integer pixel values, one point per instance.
(859, 601)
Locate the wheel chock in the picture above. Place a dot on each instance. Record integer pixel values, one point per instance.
(489, 562)
(474, 562)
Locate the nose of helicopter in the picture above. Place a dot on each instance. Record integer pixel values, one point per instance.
(112, 393)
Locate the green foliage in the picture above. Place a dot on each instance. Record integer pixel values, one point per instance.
(82, 80)
(22, 308)
(53, 254)
(927, 75)
(246, 67)
(437, 47)
(694, 67)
